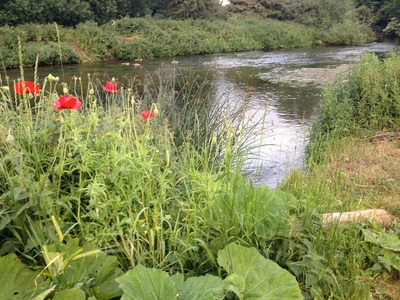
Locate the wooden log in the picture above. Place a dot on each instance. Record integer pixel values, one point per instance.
(379, 216)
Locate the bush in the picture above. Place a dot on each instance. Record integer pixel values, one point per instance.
(98, 42)
(367, 101)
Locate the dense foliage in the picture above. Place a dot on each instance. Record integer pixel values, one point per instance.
(321, 13)
(368, 101)
(131, 38)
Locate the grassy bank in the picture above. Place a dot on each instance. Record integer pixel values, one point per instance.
(131, 38)
(353, 163)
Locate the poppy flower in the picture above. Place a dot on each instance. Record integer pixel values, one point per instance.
(26, 86)
(147, 114)
(67, 102)
(110, 87)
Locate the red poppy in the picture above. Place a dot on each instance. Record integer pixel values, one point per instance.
(26, 86)
(110, 87)
(67, 102)
(147, 114)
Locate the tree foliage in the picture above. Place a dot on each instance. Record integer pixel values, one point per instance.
(192, 9)
(322, 13)
(378, 13)
(319, 13)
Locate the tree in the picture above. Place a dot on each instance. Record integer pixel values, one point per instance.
(67, 12)
(247, 7)
(321, 13)
(20, 12)
(378, 13)
(102, 12)
(134, 8)
(193, 9)
(63, 12)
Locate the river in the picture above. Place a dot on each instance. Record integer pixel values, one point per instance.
(284, 86)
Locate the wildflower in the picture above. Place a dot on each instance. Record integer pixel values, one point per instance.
(147, 114)
(51, 78)
(110, 87)
(155, 110)
(67, 102)
(10, 139)
(26, 86)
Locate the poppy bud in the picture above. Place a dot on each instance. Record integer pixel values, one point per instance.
(65, 90)
(51, 78)
(91, 91)
(10, 139)
(5, 88)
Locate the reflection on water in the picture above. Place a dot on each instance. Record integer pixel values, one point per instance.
(286, 106)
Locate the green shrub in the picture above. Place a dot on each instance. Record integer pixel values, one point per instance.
(367, 100)
(97, 42)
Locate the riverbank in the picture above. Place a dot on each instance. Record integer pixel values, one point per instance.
(137, 38)
(353, 164)
(359, 173)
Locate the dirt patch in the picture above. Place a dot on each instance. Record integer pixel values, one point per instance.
(374, 169)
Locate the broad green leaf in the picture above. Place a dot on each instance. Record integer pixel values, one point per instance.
(263, 278)
(108, 289)
(387, 240)
(236, 284)
(89, 268)
(257, 210)
(147, 284)
(393, 257)
(44, 294)
(17, 281)
(202, 288)
(75, 294)
(178, 279)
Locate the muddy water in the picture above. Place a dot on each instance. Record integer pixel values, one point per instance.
(284, 88)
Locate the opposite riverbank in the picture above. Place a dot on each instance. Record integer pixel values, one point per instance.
(136, 38)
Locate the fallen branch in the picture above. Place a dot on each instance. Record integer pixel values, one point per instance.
(379, 216)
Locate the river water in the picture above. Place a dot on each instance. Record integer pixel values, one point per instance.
(284, 87)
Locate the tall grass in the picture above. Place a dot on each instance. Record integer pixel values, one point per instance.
(132, 185)
(368, 102)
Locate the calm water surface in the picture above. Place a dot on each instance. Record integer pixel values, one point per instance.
(286, 99)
